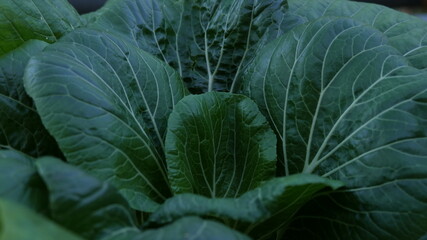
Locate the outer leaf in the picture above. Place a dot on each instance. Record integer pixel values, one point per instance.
(126, 234)
(185, 228)
(405, 32)
(22, 20)
(208, 42)
(82, 203)
(107, 103)
(194, 228)
(19, 181)
(258, 213)
(20, 125)
(218, 145)
(18, 223)
(347, 106)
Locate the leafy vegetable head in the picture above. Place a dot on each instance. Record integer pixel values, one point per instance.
(327, 141)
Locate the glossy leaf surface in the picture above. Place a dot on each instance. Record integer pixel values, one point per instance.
(218, 145)
(82, 203)
(347, 106)
(107, 103)
(258, 213)
(46, 20)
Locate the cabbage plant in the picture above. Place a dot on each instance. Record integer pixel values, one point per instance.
(225, 119)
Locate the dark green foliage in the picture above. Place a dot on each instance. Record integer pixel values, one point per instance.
(326, 140)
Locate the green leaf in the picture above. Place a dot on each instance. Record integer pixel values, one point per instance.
(82, 203)
(404, 32)
(218, 145)
(194, 228)
(107, 103)
(19, 223)
(46, 20)
(90, 18)
(347, 106)
(126, 234)
(20, 125)
(185, 228)
(208, 42)
(20, 182)
(258, 213)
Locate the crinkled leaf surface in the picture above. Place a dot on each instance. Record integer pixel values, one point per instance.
(20, 182)
(20, 125)
(185, 228)
(46, 20)
(19, 223)
(218, 145)
(345, 105)
(406, 33)
(82, 203)
(107, 103)
(258, 213)
(208, 42)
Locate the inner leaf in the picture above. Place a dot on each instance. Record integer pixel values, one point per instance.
(218, 145)
(208, 42)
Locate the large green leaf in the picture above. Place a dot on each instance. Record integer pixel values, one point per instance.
(185, 228)
(20, 182)
(258, 213)
(404, 32)
(46, 20)
(347, 106)
(218, 145)
(20, 125)
(208, 42)
(107, 103)
(19, 223)
(82, 203)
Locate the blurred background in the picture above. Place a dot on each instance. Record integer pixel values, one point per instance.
(85, 6)
(417, 7)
